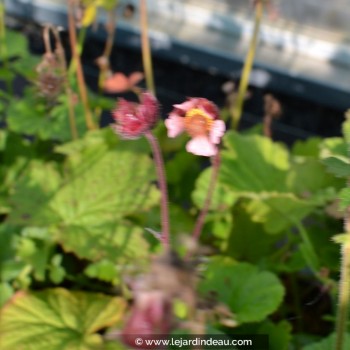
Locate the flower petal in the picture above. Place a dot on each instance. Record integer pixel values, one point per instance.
(116, 83)
(201, 146)
(175, 125)
(185, 106)
(217, 131)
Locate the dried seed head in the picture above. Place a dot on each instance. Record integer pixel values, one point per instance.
(50, 78)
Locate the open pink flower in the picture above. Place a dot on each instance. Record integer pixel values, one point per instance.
(199, 118)
(132, 120)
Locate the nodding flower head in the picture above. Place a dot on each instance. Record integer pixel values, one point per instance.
(132, 120)
(199, 118)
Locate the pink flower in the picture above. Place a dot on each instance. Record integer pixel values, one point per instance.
(151, 315)
(132, 120)
(199, 118)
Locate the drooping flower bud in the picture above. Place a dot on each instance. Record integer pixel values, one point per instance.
(132, 120)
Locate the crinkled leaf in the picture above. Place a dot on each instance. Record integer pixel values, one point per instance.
(253, 164)
(58, 319)
(251, 294)
(338, 166)
(334, 146)
(328, 343)
(344, 196)
(278, 212)
(99, 185)
(115, 242)
(30, 116)
(308, 178)
(33, 194)
(222, 200)
(308, 148)
(104, 270)
(86, 206)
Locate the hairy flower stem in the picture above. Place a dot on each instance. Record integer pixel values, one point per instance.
(146, 51)
(200, 220)
(237, 107)
(159, 163)
(79, 69)
(344, 288)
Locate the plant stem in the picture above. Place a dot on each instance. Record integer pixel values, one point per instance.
(63, 67)
(146, 51)
(110, 28)
(344, 288)
(310, 255)
(200, 220)
(159, 163)
(80, 47)
(236, 109)
(3, 45)
(79, 69)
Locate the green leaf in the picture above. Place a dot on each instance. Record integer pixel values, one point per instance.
(88, 207)
(344, 196)
(31, 116)
(334, 146)
(16, 44)
(222, 200)
(338, 166)
(278, 212)
(253, 164)
(248, 240)
(256, 168)
(251, 294)
(103, 270)
(58, 319)
(6, 291)
(308, 148)
(99, 185)
(328, 343)
(309, 179)
(279, 334)
(32, 195)
(115, 242)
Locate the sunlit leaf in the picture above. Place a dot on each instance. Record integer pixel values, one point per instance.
(58, 319)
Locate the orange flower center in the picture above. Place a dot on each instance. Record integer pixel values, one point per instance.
(197, 122)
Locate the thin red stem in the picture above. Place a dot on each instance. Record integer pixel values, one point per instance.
(200, 220)
(158, 160)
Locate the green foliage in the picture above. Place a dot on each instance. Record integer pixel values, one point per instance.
(339, 166)
(81, 214)
(251, 294)
(57, 319)
(87, 204)
(32, 116)
(327, 343)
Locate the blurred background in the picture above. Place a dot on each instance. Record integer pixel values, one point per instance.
(303, 56)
